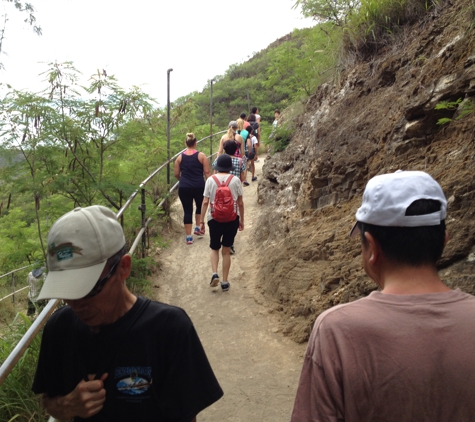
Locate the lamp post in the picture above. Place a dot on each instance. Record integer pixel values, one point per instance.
(211, 118)
(168, 125)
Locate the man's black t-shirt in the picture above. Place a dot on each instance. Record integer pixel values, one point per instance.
(157, 368)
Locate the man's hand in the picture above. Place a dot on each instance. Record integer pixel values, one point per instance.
(84, 401)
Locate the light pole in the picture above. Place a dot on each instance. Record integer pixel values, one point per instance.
(168, 125)
(211, 118)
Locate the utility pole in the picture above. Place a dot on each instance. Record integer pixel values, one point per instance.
(211, 118)
(168, 125)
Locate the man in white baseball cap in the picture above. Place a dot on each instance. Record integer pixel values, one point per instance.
(405, 352)
(110, 355)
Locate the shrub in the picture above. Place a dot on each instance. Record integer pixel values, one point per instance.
(17, 401)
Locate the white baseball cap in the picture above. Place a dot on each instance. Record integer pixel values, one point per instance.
(79, 244)
(387, 197)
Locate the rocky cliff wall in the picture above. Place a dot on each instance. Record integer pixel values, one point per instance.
(380, 117)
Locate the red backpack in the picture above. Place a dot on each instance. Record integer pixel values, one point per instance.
(223, 209)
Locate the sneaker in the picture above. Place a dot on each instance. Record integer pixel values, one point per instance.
(254, 178)
(214, 280)
(197, 231)
(225, 286)
(232, 250)
(189, 240)
(245, 183)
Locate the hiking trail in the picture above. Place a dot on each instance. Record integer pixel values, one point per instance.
(257, 367)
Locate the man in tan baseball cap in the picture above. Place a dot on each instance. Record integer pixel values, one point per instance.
(110, 355)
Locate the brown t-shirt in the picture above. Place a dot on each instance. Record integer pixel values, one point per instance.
(391, 358)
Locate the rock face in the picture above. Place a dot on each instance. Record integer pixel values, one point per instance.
(380, 118)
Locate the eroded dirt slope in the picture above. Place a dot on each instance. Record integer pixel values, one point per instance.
(380, 117)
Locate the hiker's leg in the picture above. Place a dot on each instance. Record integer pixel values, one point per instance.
(198, 201)
(187, 203)
(215, 234)
(226, 262)
(215, 260)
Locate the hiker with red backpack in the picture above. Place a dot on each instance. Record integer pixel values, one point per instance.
(223, 196)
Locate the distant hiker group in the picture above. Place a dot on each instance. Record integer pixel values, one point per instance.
(219, 200)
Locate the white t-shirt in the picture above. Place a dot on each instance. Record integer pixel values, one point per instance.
(211, 187)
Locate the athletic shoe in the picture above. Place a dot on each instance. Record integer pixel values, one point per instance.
(245, 183)
(189, 240)
(214, 280)
(225, 286)
(254, 178)
(231, 250)
(197, 231)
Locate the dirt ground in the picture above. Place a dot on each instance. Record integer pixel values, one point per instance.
(257, 367)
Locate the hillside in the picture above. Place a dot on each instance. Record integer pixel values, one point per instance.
(378, 118)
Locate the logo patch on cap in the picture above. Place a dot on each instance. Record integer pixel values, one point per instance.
(64, 251)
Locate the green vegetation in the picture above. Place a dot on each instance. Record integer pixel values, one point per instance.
(367, 25)
(462, 108)
(17, 401)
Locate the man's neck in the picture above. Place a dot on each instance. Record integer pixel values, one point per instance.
(407, 280)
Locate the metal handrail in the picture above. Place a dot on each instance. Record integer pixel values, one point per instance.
(34, 329)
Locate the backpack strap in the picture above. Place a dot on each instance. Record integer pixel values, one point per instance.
(229, 179)
(215, 178)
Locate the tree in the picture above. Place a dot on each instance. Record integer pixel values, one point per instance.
(30, 19)
(336, 11)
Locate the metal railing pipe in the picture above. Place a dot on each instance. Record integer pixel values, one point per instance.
(26, 340)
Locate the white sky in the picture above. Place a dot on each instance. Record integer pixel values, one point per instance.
(137, 41)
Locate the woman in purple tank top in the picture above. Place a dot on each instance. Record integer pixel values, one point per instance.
(190, 167)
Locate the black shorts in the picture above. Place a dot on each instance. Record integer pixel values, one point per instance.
(222, 233)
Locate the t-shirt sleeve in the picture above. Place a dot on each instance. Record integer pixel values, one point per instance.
(315, 399)
(190, 385)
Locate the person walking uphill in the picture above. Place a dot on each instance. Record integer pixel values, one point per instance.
(404, 353)
(110, 355)
(223, 195)
(189, 169)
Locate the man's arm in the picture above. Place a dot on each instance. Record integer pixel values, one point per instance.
(84, 401)
(241, 212)
(204, 208)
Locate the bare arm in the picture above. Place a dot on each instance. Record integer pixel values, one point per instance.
(176, 167)
(241, 212)
(206, 168)
(204, 208)
(84, 401)
(220, 150)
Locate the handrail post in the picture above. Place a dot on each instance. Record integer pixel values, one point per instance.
(143, 208)
(211, 118)
(13, 287)
(168, 125)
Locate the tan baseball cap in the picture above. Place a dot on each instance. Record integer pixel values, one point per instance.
(79, 244)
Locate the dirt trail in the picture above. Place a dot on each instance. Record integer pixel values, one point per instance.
(257, 367)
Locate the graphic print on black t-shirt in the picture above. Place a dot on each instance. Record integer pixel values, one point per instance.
(133, 381)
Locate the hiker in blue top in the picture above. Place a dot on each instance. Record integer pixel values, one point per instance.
(189, 169)
(222, 233)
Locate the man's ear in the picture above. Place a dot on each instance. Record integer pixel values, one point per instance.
(125, 266)
(373, 248)
(447, 237)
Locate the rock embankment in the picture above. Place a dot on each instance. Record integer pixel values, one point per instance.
(381, 117)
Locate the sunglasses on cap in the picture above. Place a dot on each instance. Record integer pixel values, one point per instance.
(102, 281)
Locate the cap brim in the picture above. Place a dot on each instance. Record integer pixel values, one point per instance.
(71, 284)
(355, 230)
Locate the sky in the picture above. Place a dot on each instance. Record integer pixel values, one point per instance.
(138, 41)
